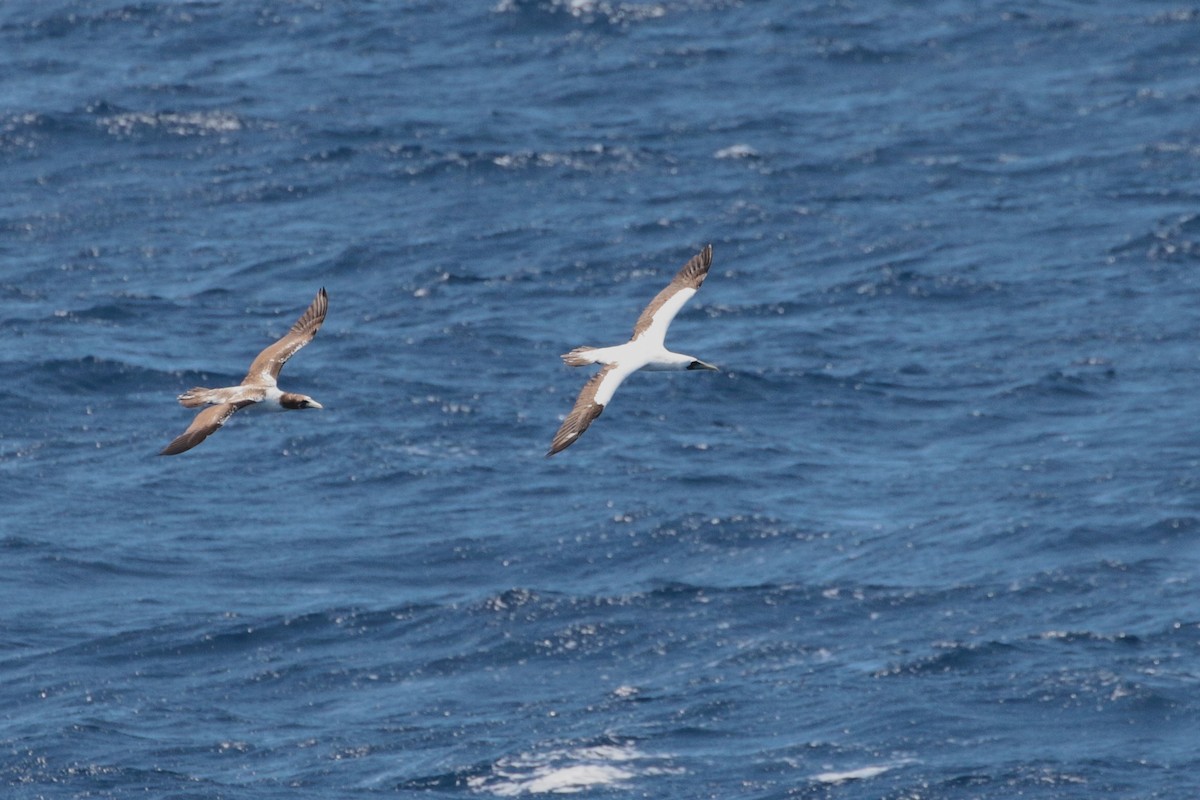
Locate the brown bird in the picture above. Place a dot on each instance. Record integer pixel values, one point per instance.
(644, 351)
(257, 388)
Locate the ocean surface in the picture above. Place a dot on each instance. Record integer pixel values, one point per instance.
(933, 531)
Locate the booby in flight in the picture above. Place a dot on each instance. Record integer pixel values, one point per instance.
(257, 387)
(644, 351)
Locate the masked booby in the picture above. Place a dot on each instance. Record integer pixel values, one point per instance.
(646, 350)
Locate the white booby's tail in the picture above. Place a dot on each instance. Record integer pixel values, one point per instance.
(580, 357)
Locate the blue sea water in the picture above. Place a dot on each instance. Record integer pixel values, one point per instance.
(932, 532)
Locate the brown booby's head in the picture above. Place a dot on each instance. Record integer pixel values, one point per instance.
(291, 401)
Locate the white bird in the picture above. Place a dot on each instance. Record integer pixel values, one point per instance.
(644, 351)
(259, 385)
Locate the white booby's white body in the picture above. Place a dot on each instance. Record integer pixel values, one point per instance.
(645, 351)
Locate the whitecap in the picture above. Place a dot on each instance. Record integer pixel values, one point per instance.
(859, 774)
(736, 151)
(569, 770)
(195, 123)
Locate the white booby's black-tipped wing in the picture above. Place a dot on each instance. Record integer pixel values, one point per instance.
(657, 316)
(205, 423)
(590, 404)
(265, 369)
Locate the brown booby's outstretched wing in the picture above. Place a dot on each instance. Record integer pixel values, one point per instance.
(266, 366)
(205, 423)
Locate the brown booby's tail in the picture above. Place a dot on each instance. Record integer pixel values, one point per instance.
(196, 396)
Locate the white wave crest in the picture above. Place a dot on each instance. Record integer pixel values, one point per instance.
(861, 774)
(194, 123)
(570, 770)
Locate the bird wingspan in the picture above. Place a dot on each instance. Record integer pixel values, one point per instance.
(590, 404)
(268, 363)
(205, 423)
(657, 316)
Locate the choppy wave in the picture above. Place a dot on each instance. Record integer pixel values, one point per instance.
(572, 768)
(857, 774)
(933, 518)
(175, 123)
(585, 11)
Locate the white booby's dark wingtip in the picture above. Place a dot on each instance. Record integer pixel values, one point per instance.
(690, 276)
(584, 412)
